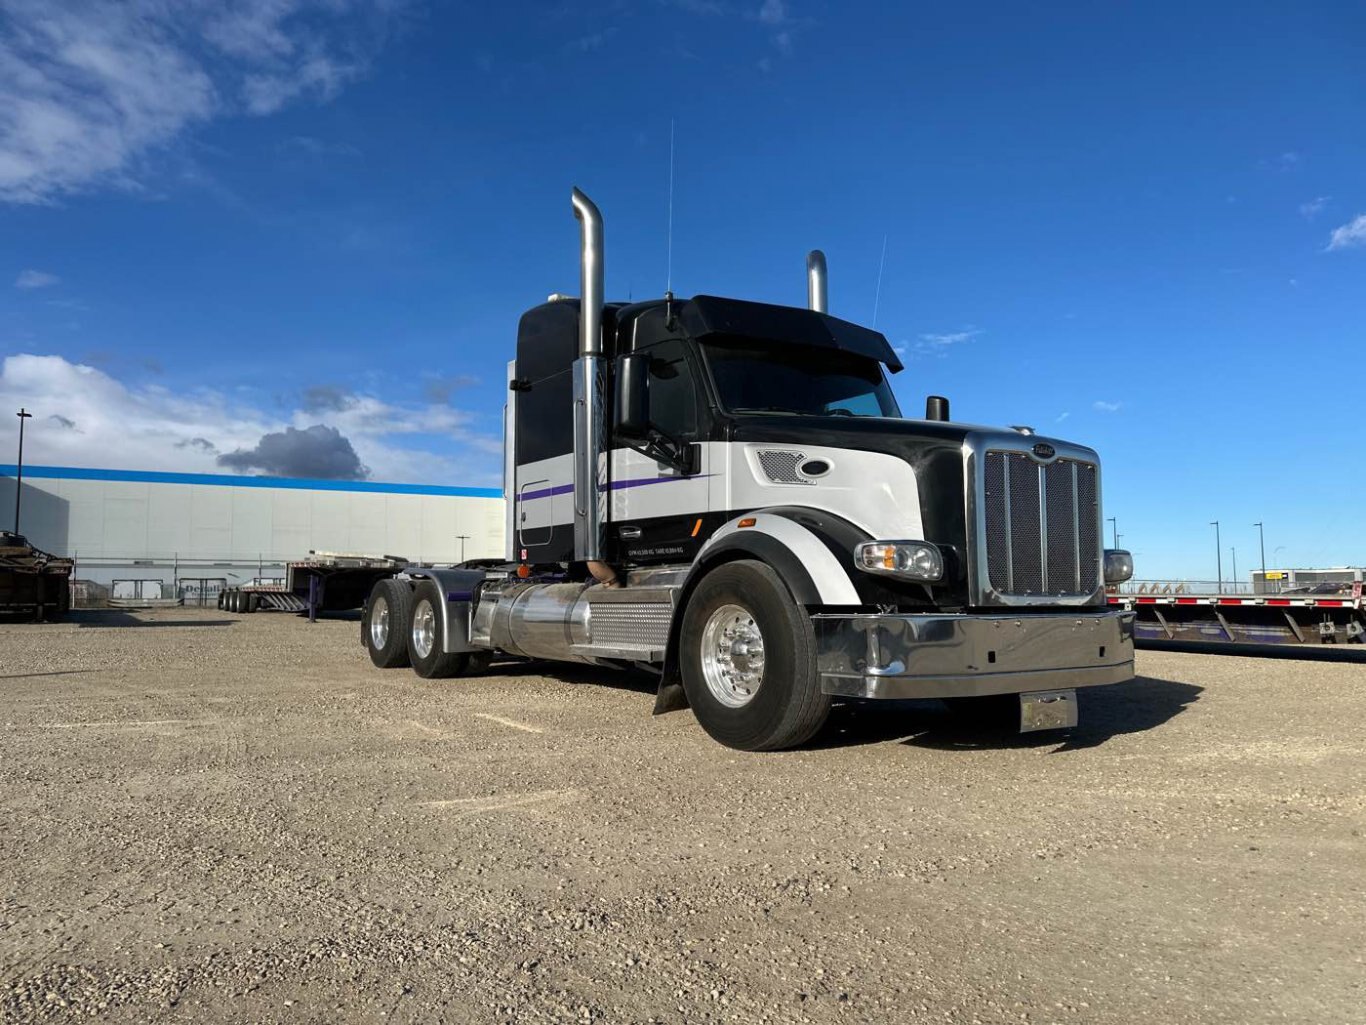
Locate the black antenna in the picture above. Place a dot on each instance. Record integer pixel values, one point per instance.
(877, 293)
(669, 272)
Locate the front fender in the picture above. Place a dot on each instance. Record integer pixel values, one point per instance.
(812, 574)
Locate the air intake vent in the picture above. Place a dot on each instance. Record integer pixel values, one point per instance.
(780, 466)
(1042, 526)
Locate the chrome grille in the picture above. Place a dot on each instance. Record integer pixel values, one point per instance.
(1042, 525)
(780, 466)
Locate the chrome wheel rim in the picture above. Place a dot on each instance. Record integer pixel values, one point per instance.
(732, 656)
(424, 629)
(379, 624)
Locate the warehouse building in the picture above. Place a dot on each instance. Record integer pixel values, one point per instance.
(193, 533)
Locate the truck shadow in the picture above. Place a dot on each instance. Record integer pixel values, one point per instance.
(568, 672)
(104, 619)
(1142, 704)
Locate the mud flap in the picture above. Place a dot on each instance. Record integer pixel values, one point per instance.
(670, 697)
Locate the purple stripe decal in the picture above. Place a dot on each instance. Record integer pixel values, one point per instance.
(616, 485)
(561, 489)
(639, 482)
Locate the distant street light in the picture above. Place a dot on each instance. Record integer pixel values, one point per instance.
(23, 415)
(1218, 555)
(1234, 550)
(1114, 526)
(1261, 538)
(462, 538)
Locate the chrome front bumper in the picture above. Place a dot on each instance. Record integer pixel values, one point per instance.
(940, 656)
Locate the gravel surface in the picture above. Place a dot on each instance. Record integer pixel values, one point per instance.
(206, 817)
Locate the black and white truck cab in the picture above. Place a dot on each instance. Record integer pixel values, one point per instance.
(726, 493)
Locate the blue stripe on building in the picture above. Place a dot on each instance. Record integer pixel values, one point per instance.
(228, 480)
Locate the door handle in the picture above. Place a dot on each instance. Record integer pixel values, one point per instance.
(628, 533)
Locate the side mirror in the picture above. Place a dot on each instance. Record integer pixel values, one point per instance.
(633, 397)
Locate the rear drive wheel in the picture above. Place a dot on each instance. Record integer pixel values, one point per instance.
(748, 656)
(385, 623)
(426, 638)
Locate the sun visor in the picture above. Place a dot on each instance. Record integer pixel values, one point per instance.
(711, 315)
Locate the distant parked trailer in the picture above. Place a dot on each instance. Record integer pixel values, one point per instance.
(33, 583)
(324, 582)
(1248, 618)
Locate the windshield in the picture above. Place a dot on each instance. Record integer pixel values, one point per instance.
(765, 378)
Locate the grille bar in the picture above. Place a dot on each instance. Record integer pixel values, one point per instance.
(1042, 527)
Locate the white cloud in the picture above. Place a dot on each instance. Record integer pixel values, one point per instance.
(1350, 235)
(89, 89)
(28, 279)
(1314, 207)
(107, 423)
(1101, 406)
(773, 12)
(940, 344)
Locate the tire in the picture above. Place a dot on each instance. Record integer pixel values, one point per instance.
(231, 601)
(253, 602)
(385, 623)
(785, 707)
(425, 640)
(222, 597)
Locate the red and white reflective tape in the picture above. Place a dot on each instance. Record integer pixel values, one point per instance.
(1129, 600)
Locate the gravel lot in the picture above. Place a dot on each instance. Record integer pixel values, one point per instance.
(210, 818)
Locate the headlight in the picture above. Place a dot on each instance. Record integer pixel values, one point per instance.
(910, 560)
(1119, 566)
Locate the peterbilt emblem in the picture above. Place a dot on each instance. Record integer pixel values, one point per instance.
(1043, 450)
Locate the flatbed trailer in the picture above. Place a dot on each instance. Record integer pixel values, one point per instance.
(1247, 618)
(324, 582)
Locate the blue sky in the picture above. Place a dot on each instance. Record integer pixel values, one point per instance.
(1140, 228)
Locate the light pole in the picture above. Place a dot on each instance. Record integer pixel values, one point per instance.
(1234, 550)
(23, 415)
(1218, 555)
(1261, 540)
(1114, 527)
(462, 538)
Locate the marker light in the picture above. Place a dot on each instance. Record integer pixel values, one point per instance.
(911, 560)
(1119, 566)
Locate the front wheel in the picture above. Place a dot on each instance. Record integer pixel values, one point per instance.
(748, 656)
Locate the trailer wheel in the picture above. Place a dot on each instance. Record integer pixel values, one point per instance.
(253, 601)
(222, 597)
(385, 623)
(748, 656)
(425, 638)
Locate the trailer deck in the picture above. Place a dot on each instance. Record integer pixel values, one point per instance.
(1248, 618)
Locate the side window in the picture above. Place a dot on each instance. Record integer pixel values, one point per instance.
(673, 390)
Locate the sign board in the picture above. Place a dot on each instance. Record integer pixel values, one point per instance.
(1275, 574)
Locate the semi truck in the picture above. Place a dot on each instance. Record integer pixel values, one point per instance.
(726, 493)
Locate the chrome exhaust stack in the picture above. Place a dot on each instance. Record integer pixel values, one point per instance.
(817, 297)
(590, 469)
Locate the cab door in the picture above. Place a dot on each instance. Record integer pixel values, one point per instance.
(654, 508)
